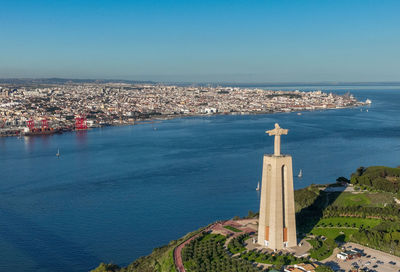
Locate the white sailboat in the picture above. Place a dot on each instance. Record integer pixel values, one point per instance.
(258, 186)
(58, 153)
(152, 124)
(300, 175)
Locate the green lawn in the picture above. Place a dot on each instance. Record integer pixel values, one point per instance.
(370, 199)
(379, 199)
(335, 233)
(340, 228)
(215, 237)
(346, 199)
(321, 249)
(232, 229)
(351, 222)
(276, 259)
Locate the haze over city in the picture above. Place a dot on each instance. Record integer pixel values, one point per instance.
(201, 41)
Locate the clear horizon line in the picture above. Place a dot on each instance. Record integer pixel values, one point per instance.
(276, 83)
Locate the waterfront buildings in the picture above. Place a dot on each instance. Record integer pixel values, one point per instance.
(121, 103)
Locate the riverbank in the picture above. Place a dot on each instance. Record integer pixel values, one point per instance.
(326, 220)
(18, 132)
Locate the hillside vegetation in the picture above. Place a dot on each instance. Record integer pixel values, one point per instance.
(380, 178)
(160, 260)
(206, 253)
(368, 216)
(306, 197)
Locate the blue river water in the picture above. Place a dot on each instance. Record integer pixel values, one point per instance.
(116, 193)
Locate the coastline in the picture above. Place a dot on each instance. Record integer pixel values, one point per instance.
(170, 257)
(160, 118)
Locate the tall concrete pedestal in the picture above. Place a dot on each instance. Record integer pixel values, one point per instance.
(277, 225)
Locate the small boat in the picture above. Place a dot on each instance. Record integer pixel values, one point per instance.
(366, 110)
(368, 101)
(299, 113)
(258, 186)
(300, 175)
(58, 153)
(152, 124)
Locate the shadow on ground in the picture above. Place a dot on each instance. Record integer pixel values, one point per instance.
(308, 217)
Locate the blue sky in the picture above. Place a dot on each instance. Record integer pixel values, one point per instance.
(235, 41)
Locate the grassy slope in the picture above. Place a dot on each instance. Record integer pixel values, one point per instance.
(321, 249)
(335, 233)
(366, 199)
(335, 227)
(160, 260)
(232, 229)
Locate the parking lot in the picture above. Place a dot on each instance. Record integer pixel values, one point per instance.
(372, 260)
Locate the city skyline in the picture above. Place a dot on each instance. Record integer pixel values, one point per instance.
(177, 41)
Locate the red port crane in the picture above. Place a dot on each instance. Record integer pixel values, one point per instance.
(80, 122)
(45, 125)
(31, 124)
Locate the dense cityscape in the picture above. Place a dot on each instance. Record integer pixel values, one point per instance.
(47, 109)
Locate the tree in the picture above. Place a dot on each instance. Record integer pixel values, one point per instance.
(251, 214)
(360, 171)
(342, 179)
(106, 268)
(323, 268)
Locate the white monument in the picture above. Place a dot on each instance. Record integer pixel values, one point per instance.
(277, 223)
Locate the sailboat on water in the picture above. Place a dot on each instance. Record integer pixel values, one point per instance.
(58, 153)
(300, 175)
(152, 124)
(258, 186)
